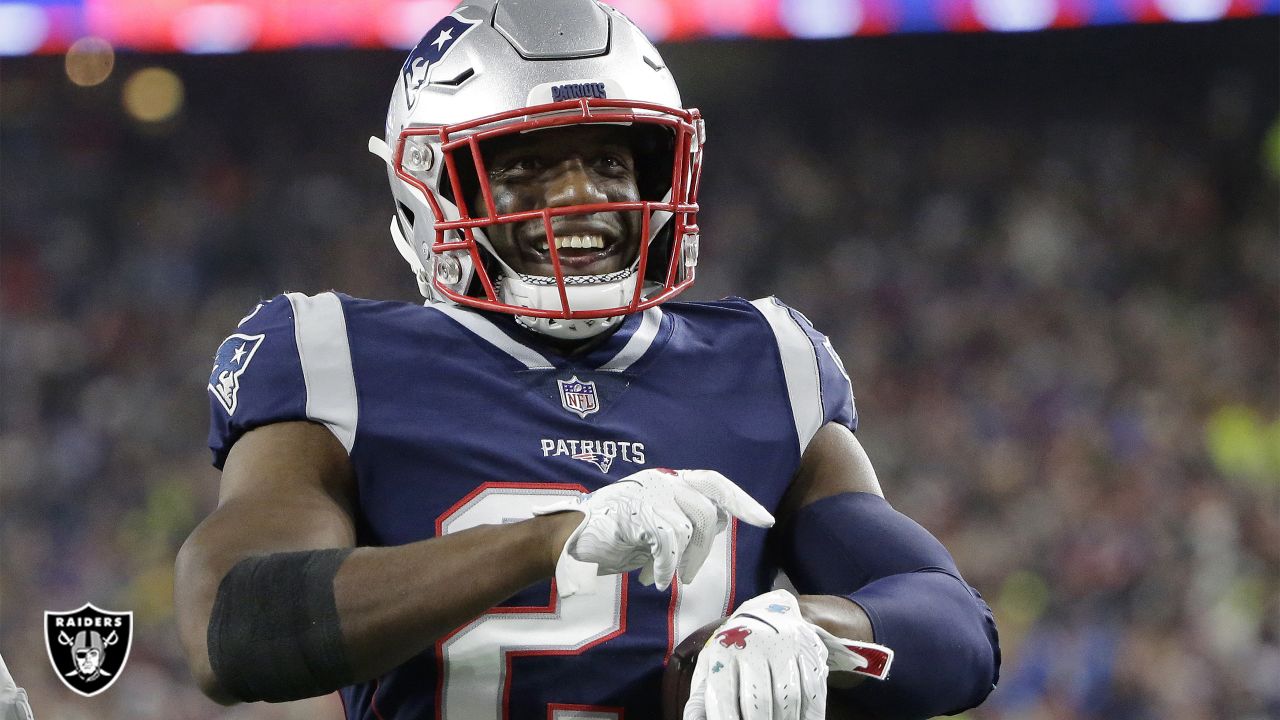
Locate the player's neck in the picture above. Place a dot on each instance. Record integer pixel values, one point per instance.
(567, 347)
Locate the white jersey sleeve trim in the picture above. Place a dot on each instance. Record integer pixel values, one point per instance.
(320, 328)
(489, 332)
(799, 368)
(638, 344)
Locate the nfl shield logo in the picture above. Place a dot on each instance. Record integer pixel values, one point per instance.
(578, 397)
(88, 647)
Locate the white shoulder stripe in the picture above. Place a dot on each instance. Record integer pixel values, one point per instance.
(320, 327)
(481, 326)
(799, 367)
(639, 343)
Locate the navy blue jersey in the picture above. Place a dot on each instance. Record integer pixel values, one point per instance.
(454, 418)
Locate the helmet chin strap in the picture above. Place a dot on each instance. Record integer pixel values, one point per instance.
(589, 292)
(585, 292)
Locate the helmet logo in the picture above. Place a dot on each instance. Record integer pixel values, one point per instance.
(431, 49)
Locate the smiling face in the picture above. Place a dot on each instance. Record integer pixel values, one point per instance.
(561, 167)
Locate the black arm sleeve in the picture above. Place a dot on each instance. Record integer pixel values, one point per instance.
(946, 649)
(274, 632)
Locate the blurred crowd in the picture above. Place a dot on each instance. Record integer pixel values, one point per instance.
(1055, 283)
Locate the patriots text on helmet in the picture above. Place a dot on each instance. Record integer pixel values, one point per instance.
(573, 91)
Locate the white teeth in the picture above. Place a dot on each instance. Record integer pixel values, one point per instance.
(585, 242)
(579, 241)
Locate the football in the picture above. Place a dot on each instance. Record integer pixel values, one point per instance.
(678, 675)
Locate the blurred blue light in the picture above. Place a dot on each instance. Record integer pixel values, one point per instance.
(23, 28)
(821, 18)
(1194, 10)
(1016, 15)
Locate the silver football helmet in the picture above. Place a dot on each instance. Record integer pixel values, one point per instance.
(501, 67)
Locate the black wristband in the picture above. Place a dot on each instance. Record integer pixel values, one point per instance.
(274, 632)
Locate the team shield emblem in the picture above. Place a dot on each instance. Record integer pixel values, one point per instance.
(88, 647)
(578, 397)
(437, 43)
(230, 362)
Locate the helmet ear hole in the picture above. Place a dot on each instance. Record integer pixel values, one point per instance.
(406, 214)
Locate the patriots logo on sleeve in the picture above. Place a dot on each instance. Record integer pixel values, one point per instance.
(431, 49)
(232, 359)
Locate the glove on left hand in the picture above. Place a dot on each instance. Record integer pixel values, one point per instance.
(766, 661)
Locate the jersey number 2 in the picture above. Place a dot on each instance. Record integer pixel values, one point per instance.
(474, 661)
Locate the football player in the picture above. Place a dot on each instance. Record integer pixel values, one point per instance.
(436, 509)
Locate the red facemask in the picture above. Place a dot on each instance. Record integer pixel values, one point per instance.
(667, 258)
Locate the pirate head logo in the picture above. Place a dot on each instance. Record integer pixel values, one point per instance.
(88, 647)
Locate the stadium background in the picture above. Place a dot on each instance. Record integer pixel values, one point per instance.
(1050, 260)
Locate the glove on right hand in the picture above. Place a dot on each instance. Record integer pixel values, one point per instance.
(658, 521)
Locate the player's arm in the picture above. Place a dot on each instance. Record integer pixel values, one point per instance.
(834, 463)
(872, 574)
(273, 602)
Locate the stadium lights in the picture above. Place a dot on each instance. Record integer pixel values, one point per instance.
(1016, 15)
(216, 28)
(814, 19)
(228, 26)
(89, 61)
(153, 94)
(1194, 10)
(23, 28)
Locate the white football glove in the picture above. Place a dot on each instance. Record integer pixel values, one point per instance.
(658, 521)
(766, 661)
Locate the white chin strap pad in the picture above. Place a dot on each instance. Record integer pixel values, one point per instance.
(612, 293)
